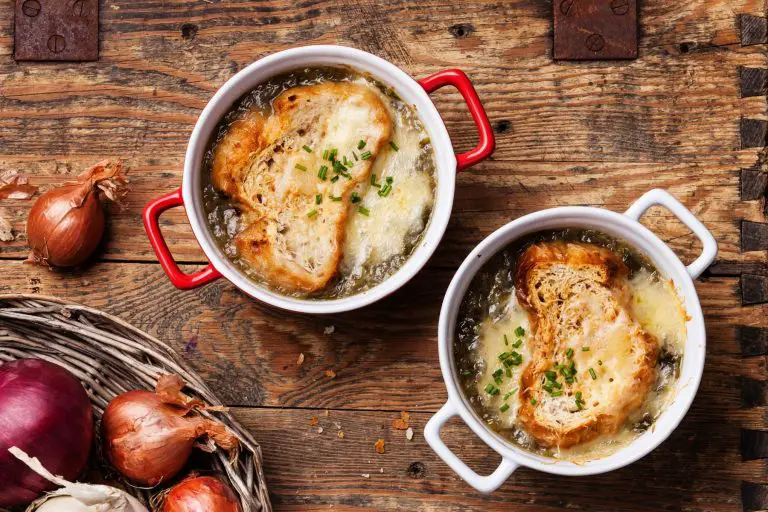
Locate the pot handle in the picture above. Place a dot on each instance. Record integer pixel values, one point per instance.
(665, 199)
(179, 279)
(484, 484)
(460, 81)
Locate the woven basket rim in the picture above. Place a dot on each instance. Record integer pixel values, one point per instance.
(71, 341)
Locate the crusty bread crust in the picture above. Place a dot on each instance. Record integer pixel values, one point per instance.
(290, 240)
(576, 295)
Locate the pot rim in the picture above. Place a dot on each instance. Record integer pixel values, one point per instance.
(249, 77)
(624, 226)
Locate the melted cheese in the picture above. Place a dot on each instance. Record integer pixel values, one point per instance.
(654, 304)
(398, 218)
(490, 344)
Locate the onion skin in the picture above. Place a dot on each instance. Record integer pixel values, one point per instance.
(66, 224)
(45, 411)
(201, 494)
(63, 235)
(147, 440)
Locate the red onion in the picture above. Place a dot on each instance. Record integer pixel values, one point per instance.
(45, 412)
(201, 494)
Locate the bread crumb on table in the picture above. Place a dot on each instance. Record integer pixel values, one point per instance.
(379, 446)
(409, 434)
(330, 374)
(402, 422)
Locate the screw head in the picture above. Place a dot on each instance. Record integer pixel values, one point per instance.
(31, 8)
(595, 42)
(620, 7)
(566, 6)
(56, 43)
(79, 7)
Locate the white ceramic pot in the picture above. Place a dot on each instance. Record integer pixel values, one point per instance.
(626, 227)
(411, 91)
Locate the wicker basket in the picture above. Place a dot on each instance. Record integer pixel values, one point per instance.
(110, 356)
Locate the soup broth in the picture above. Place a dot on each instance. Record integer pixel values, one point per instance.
(386, 214)
(491, 322)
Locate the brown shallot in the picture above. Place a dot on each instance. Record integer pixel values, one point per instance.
(149, 436)
(199, 493)
(66, 223)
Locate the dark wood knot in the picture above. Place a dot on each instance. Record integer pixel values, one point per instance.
(461, 30)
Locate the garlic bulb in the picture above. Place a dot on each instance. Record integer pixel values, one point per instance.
(77, 497)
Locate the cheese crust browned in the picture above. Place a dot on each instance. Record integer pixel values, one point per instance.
(577, 298)
(294, 220)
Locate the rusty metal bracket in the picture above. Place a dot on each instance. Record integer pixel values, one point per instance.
(56, 30)
(595, 29)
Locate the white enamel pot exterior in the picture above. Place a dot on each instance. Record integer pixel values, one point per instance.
(626, 227)
(411, 91)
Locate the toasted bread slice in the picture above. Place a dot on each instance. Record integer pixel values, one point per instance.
(577, 297)
(295, 220)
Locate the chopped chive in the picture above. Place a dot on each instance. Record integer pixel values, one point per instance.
(365, 156)
(393, 145)
(491, 389)
(497, 376)
(335, 179)
(506, 397)
(517, 343)
(332, 155)
(463, 372)
(519, 332)
(361, 144)
(355, 198)
(509, 373)
(390, 179)
(312, 213)
(346, 162)
(363, 210)
(326, 154)
(534, 401)
(503, 356)
(373, 181)
(593, 374)
(301, 167)
(557, 385)
(548, 386)
(335, 198)
(504, 408)
(557, 393)
(318, 198)
(569, 353)
(306, 148)
(322, 173)
(578, 395)
(585, 349)
(551, 375)
(385, 190)
(506, 340)
(355, 155)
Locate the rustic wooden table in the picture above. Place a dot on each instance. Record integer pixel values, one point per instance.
(689, 115)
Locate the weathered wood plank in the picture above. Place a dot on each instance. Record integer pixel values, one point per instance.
(487, 197)
(670, 116)
(754, 497)
(754, 289)
(754, 444)
(754, 236)
(384, 356)
(305, 469)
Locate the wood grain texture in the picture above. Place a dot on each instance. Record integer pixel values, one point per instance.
(384, 356)
(689, 115)
(307, 472)
(672, 114)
